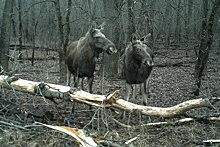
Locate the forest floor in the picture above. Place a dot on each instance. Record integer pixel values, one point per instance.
(169, 85)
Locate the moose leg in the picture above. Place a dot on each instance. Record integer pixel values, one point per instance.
(90, 81)
(147, 86)
(81, 83)
(68, 75)
(134, 88)
(143, 93)
(128, 91)
(76, 81)
(75, 85)
(128, 88)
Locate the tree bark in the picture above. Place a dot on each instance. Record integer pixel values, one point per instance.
(150, 27)
(112, 15)
(63, 38)
(131, 19)
(61, 41)
(5, 34)
(189, 29)
(34, 22)
(20, 29)
(178, 26)
(206, 42)
(51, 91)
(167, 25)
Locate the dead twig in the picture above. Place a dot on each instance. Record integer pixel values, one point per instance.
(121, 124)
(13, 125)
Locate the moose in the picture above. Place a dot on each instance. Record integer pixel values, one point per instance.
(138, 64)
(81, 55)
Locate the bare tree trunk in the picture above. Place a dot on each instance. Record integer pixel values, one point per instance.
(33, 33)
(146, 21)
(206, 42)
(63, 38)
(19, 29)
(131, 19)
(110, 64)
(150, 22)
(5, 34)
(13, 21)
(167, 26)
(177, 29)
(189, 30)
(66, 37)
(143, 30)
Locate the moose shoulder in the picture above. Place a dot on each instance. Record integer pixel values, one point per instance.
(81, 54)
(138, 64)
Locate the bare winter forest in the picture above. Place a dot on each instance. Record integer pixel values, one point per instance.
(183, 107)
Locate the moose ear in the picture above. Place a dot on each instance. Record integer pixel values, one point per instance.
(101, 27)
(92, 28)
(94, 25)
(146, 38)
(133, 38)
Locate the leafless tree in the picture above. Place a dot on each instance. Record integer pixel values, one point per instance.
(63, 37)
(206, 41)
(5, 34)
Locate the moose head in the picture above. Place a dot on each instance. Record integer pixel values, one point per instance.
(99, 41)
(140, 50)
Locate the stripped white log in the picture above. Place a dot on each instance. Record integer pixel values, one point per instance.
(62, 92)
(211, 142)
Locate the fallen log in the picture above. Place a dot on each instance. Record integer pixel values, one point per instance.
(51, 91)
(178, 64)
(211, 142)
(27, 46)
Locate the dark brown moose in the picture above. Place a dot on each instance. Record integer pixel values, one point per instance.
(81, 55)
(138, 64)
